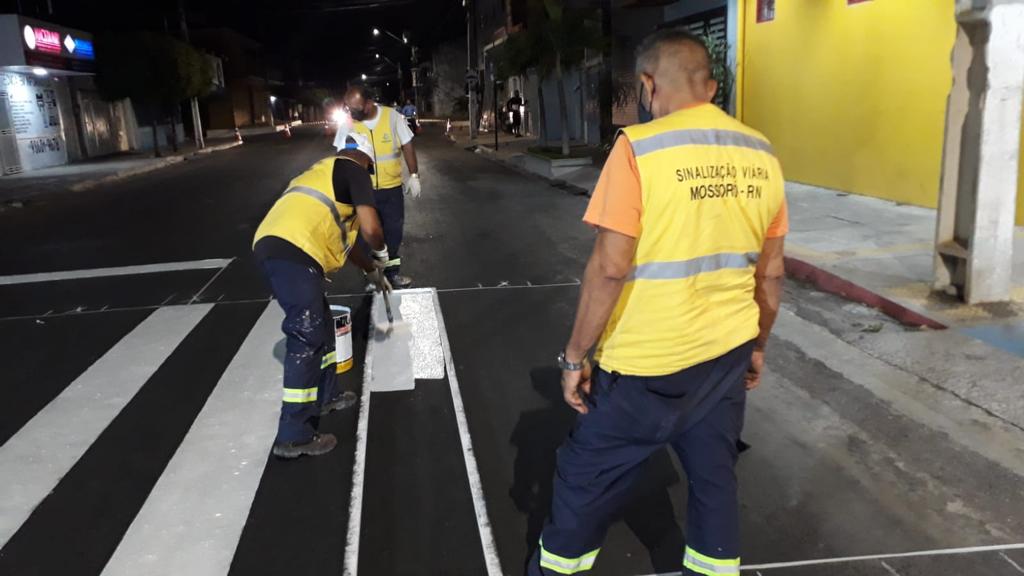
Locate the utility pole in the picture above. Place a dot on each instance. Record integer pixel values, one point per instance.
(471, 63)
(197, 122)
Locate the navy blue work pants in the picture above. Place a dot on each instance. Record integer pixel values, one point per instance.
(391, 207)
(699, 412)
(309, 363)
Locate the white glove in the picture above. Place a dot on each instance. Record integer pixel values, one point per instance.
(380, 257)
(412, 186)
(379, 280)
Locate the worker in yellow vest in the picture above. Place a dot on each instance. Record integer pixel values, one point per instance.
(391, 142)
(679, 297)
(310, 232)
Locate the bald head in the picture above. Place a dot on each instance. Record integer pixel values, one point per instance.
(359, 103)
(677, 63)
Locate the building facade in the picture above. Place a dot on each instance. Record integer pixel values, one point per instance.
(50, 110)
(853, 93)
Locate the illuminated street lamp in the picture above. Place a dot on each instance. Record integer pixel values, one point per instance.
(364, 76)
(403, 39)
(273, 99)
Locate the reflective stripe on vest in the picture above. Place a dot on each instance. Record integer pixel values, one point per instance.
(387, 148)
(686, 268)
(299, 217)
(695, 137)
(710, 189)
(323, 199)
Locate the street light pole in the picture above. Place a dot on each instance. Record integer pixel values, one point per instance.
(471, 64)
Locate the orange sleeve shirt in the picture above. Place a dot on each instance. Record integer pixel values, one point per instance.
(617, 201)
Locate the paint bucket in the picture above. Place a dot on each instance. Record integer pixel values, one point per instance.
(343, 336)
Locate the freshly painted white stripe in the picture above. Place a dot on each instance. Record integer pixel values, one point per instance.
(34, 460)
(475, 485)
(355, 506)
(192, 521)
(844, 559)
(117, 271)
(394, 348)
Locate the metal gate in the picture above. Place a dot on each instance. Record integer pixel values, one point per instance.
(104, 129)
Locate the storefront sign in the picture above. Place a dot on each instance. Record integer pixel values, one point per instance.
(35, 118)
(42, 40)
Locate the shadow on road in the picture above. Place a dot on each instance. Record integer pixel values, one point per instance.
(537, 436)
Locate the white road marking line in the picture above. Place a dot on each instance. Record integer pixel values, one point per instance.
(1012, 563)
(184, 530)
(115, 271)
(207, 285)
(509, 287)
(34, 460)
(168, 299)
(921, 553)
(890, 569)
(355, 507)
(483, 522)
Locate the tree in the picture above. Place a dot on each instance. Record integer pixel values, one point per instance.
(556, 39)
(155, 70)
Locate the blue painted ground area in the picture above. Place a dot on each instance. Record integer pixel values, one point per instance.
(1009, 337)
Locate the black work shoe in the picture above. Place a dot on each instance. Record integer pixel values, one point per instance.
(399, 281)
(318, 445)
(346, 400)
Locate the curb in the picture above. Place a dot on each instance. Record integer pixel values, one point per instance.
(833, 284)
(492, 155)
(168, 161)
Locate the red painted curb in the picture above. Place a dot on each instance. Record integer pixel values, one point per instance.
(829, 282)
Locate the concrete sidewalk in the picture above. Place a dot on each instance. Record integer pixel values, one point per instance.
(82, 176)
(879, 253)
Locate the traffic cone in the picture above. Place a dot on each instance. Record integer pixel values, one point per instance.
(238, 135)
(287, 131)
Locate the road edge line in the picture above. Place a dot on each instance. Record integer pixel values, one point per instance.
(355, 503)
(483, 522)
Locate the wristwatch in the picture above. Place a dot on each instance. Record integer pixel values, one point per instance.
(570, 366)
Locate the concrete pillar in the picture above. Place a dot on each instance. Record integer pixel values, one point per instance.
(974, 234)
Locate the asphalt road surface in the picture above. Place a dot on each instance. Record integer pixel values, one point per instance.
(141, 378)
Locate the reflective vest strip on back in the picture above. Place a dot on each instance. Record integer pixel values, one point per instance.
(710, 189)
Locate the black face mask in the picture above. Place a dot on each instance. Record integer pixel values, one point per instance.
(358, 115)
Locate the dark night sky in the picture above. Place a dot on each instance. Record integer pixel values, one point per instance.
(326, 41)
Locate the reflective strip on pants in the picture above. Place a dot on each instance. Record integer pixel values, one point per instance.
(562, 565)
(394, 262)
(300, 395)
(709, 566)
(331, 358)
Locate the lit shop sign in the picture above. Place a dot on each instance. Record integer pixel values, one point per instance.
(79, 47)
(42, 40)
(39, 39)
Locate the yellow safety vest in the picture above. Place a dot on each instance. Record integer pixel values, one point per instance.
(308, 216)
(711, 188)
(387, 150)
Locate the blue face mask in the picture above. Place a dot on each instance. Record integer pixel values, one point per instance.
(646, 107)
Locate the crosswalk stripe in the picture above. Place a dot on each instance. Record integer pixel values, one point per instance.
(194, 516)
(35, 459)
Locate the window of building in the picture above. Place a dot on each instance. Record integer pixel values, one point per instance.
(765, 10)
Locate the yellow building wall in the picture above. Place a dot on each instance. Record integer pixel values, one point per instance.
(853, 97)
